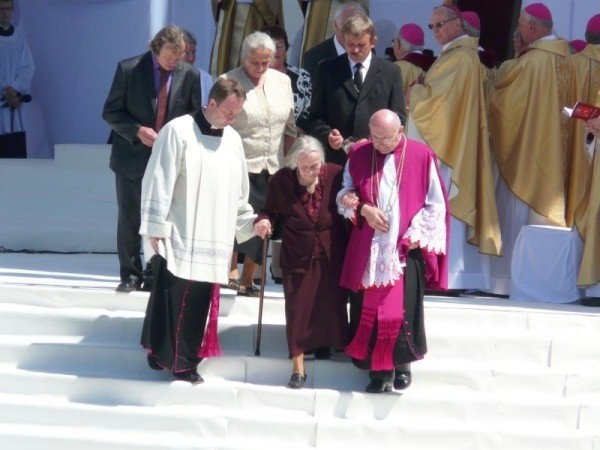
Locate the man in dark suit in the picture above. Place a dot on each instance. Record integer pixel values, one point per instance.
(342, 103)
(147, 91)
(332, 47)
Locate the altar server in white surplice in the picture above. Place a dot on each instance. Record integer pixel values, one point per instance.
(194, 200)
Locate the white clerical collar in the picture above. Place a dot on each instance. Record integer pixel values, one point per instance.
(448, 44)
(365, 64)
(550, 37)
(339, 48)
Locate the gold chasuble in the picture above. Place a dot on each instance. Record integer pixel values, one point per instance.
(587, 216)
(587, 64)
(490, 76)
(450, 113)
(587, 220)
(540, 152)
(410, 72)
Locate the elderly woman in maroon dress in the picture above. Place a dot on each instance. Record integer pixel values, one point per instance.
(301, 198)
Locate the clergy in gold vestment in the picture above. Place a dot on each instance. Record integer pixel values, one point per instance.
(587, 216)
(472, 26)
(587, 62)
(448, 113)
(408, 50)
(539, 151)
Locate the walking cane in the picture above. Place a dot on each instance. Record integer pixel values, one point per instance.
(263, 276)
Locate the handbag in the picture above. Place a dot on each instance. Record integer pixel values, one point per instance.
(13, 144)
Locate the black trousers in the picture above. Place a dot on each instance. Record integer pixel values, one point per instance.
(175, 319)
(412, 338)
(129, 241)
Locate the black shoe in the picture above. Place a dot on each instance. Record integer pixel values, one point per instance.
(148, 282)
(191, 376)
(402, 380)
(379, 387)
(591, 301)
(277, 280)
(323, 353)
(297, 380)
(153, 362)
(131, 284)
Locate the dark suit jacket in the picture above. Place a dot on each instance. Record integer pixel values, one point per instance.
(131, 104)
(336, 103)
(318, 53)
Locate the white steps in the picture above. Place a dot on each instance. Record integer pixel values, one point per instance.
(498, 375)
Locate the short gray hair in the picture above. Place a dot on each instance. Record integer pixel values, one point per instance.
(407, 45)
(471, 30)
(255, 41)
(304, 145)
(189, 37)
(348, 9)
(548, 24)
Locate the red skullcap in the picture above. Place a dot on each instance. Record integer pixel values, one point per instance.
(472, 18)
(593, 25)
(578, 44)
(412, 33)
(539, 11)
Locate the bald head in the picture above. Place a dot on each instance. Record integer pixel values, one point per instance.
(385, 118)
(386, 130)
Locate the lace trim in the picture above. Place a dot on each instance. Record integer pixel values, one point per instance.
(384, 267)
(428, 229)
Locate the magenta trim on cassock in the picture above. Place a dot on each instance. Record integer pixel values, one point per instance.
(210, 345)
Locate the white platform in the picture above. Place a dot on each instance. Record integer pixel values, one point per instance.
(66, 204)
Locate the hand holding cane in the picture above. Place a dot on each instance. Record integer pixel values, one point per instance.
(263, 276)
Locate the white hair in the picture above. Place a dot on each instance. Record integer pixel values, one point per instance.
(544, 23)
(255, 41)
(304, 145)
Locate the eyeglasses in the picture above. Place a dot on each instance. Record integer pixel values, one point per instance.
(439, 25)
(384, 140)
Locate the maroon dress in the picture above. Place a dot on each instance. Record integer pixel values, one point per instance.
(314, 240)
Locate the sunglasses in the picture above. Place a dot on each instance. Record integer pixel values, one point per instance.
(438, 25)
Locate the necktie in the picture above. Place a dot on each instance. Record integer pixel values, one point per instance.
(161, 107)
(358, 80)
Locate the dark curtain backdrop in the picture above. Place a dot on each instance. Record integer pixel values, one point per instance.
(498, 21)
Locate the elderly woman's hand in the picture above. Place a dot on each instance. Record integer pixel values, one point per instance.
(349, 200)
(262, 228)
